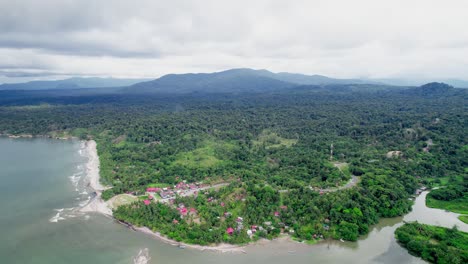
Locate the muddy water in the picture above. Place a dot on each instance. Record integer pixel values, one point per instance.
(38, 180)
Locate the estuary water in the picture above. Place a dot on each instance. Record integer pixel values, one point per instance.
(42, 185)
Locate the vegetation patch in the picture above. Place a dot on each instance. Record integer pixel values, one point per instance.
(206, 156)
(453, 197)
(459, 206)
(434, 244)
(463, 218)
(121, 199)
(269, 139)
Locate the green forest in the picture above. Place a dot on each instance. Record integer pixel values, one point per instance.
(311, 163)
(453, 196)
(434, 244)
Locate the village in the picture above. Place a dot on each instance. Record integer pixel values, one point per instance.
(169, 194)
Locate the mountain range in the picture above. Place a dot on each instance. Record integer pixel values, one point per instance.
(71, 83)
(232, 81)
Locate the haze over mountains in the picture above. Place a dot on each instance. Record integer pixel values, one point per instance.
(233, 80)
(71, 83)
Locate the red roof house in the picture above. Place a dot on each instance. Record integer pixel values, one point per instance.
(230, 230)
(183, 211)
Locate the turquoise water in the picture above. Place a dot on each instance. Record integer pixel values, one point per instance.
(40, 178)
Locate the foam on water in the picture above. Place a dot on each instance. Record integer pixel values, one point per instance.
(78, 181)
(56, 218)
(85, 202)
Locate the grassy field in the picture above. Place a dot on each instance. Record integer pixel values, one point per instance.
(121, 199)
(463, 218)
(457, 206)
(272, 140)
(209, 155)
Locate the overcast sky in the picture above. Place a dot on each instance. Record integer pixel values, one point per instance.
(358, 38)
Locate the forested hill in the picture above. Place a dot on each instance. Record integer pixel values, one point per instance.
(234, 81)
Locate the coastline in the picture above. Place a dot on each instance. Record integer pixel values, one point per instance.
(222, 248)
(92, 174)
(36, 136)
(100, 206)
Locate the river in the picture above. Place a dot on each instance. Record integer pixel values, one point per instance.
(42, 180)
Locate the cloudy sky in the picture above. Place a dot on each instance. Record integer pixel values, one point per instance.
(359, 38)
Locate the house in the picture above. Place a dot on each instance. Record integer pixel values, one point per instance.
(277, 214)
(183, 211)
(147, 202)
(175, 221)
(166, 195)
(230, 230)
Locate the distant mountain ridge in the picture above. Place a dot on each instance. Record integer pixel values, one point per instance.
(228, 81)
(234, 80)
(71, 83)
(432, 89)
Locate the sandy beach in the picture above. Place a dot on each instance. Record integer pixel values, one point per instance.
(222, 248)
(92, 176)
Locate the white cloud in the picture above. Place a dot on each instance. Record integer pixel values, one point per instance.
(361, 38)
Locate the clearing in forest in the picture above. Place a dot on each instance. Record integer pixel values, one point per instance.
(270, 139)
(210, 154)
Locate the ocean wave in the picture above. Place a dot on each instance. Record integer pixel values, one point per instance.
(85, 202)
(56, 218)
(142, 257)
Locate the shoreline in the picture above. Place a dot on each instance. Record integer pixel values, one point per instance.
(92, 176)
(36, 136)
(100, 206)
(222, 248)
